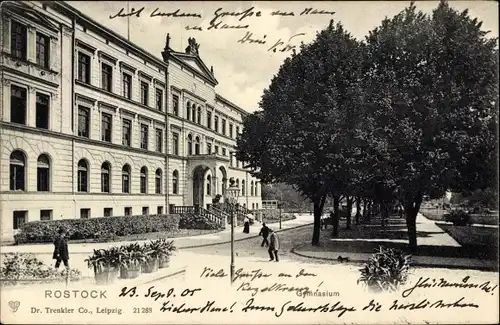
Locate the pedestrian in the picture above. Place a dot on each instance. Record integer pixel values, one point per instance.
(274, 246)
(264, 232)
(246, 226)
(61, 253)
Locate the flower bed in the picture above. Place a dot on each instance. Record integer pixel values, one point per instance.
(192, 221)
(25, 268)
(96, 228)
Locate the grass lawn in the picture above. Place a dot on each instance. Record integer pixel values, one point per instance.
(437, 215)
(285, 217)
(480, 239)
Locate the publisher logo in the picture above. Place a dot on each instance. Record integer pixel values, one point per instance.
(14, 305)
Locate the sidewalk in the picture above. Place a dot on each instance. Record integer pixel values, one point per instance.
(181, 242)
(436, 237)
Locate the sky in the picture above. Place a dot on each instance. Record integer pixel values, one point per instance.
(245, 69)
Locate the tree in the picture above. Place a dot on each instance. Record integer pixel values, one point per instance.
(294, 139)
(432, 91)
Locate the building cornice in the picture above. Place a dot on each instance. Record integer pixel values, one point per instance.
(231, 104)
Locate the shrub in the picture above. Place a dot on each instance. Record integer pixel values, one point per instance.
(96, 228)
(26, 267)
(386, 270)
(191, 221)
(458, 218)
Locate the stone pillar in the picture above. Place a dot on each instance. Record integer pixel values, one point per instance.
(31, 107)
(31, 44)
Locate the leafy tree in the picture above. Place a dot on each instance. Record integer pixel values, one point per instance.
(432, 93)
(294, 139)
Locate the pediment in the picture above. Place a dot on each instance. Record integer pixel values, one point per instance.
(31, 14)
(196, 64)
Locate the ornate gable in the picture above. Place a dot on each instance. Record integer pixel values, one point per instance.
(31, 14)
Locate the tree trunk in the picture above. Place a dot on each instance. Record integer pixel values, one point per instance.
(318, 211)
(412, 207)
(358, 209)
(369, 211)
(349, 212)
(335, 221)
(365, 209)
(384, 213)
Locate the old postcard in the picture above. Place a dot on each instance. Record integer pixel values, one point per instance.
(218, 162)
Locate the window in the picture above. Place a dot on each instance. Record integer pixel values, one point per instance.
(106, 127)
(83, 176)
(223, 151)
(126, 179)
(45, 215)
(171, 208)
(216, 150)
(105, 176)
(159, 140)
(145, 211)
(256, 187)
(42, 50)
(209, 181)
(253, 206)
(144, 93)
(175, 105)
(144, 136)
(237, 130)
(18, 40)
(83, 121)
(84, 213)
(257, 206)
(209, 148)
(128, 211)
(216, 124)
(42, 111)
(231, 130)
(188, 111)
(159, 210)
(108, 212)
(127, 133)
(19, 219)
(159, 99)
(144, 180)
(175, 143)
(209, 120)
(17, 105)
(83, 68)
(197, 146)
(127, 86)
(175, 182)
(199, 116)
(158, 181)
(224, 127)
(43, 174)
(243, 187)
(190, 144)
(106, 77)
(193, 108)
(17, 171)
(251, 188)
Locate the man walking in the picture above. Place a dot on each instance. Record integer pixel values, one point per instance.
(264, 232)
(274, 246)
(61, 253)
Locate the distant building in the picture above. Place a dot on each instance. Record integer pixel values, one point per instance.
(92, 125)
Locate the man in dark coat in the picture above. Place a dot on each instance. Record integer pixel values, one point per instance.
(61, 253)
(274, 246)
(264, 232)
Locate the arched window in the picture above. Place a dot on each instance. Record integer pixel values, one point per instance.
(158, 181)
(193, 107)
(188, 111)
(83, 176)
(237, 183)
(253, 206)
(243, 187)
(256, 188)
(144, 180)
(199, 115)
(17, 171)
(190, 144)
(126, 179)
(251, 189)
(197, 146)
(105, 177)
(175, 182)
(43, 174)
(209, 184)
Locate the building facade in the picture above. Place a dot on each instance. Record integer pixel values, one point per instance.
(92, 125)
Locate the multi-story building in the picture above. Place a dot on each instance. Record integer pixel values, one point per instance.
(92, 125)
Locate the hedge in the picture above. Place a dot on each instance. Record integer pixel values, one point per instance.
(96, 228)
(191, 221)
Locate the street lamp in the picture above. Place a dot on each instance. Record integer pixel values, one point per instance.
(232, 193)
